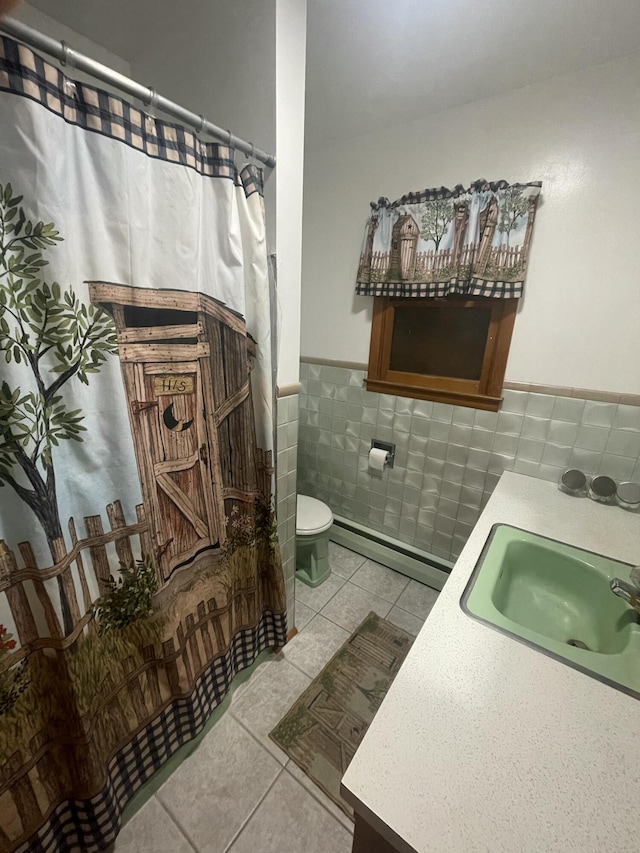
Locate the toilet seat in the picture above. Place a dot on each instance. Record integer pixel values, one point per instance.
(312, 516)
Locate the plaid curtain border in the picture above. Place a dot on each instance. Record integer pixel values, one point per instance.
(26, 74)
(473, 287)
(91, 825)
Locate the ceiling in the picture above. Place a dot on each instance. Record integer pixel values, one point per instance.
(376, 63)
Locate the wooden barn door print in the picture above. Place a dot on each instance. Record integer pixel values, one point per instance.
(169, 411)
(166, 368)
(404, 242)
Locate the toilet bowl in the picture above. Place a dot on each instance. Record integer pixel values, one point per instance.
(313, 523)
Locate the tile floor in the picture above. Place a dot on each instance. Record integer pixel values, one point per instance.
(238, 792)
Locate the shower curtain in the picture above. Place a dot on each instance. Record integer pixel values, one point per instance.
(139, 566)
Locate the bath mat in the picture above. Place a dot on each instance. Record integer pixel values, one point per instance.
(324, 727)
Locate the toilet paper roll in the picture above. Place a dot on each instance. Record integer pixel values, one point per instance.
(377, 459)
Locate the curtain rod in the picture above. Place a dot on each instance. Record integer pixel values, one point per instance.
(61, 51)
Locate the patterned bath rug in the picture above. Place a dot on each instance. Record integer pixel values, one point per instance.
(324, 727)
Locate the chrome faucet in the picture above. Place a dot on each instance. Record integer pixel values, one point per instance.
(629, 591)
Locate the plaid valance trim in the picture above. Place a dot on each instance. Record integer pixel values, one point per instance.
(440, 289)
(26, 74)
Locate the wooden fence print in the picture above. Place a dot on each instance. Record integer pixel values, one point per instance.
(507, 256)
(39, 627)
(430, 263)
(124, 705)
(16, 583)
(380, 263)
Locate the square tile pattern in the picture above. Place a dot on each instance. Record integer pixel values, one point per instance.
(286, 445)
(448, 458)
(238, 792)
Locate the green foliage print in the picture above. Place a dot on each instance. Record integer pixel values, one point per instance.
(247, 527)
(266, 522)
(290, 730)
(328, 674)
(14, 680)
(513, 206)
(438, 215)
(370, 626)
(57, 338)
(129, 597)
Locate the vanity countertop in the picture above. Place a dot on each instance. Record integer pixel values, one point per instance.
(485, 744)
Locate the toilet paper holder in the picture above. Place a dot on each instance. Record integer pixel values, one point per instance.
(388, 446)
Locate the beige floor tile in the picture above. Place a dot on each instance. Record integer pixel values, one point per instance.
(315, 646)
(211, 795)
(407, 621)
(151, 830)
(344, 562)
(351, 604)
(290, 820)
(380, 580)
(264, 704)
(418, 599)
(304, 615)
(316, 597)
(316, 792)
(243, 681)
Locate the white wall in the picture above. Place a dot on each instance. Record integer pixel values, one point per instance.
(45, 24)
(291, 21)
(579, 322)
(219, 61)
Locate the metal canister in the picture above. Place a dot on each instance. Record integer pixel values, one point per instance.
(602, 488)
(573, 482)
(628, 496)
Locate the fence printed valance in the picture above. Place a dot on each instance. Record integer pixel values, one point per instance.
(470, 241)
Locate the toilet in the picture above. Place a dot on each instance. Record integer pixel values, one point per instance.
(313, 522)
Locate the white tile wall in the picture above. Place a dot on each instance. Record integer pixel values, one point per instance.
(287, 447)
(448, 458)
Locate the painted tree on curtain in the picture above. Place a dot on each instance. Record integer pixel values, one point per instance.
(515, 207)
(39, 319)
(139, 563)
(435, 221)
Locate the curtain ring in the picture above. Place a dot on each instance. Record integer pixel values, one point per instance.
(202, 124)
(253, 152)
(68, 59)
(150, 104)
(229, 139)
(68, 56)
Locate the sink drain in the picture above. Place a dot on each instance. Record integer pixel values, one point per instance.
(578, 645)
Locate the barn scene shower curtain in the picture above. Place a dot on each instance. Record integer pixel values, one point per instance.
(139, 567)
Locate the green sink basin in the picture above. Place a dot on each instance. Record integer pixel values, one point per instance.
(557, 599)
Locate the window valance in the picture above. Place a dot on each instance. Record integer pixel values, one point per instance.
(471, 241)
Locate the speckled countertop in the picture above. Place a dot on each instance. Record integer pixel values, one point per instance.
(485, 744)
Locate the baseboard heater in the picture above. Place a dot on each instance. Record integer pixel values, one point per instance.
(403, 558)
